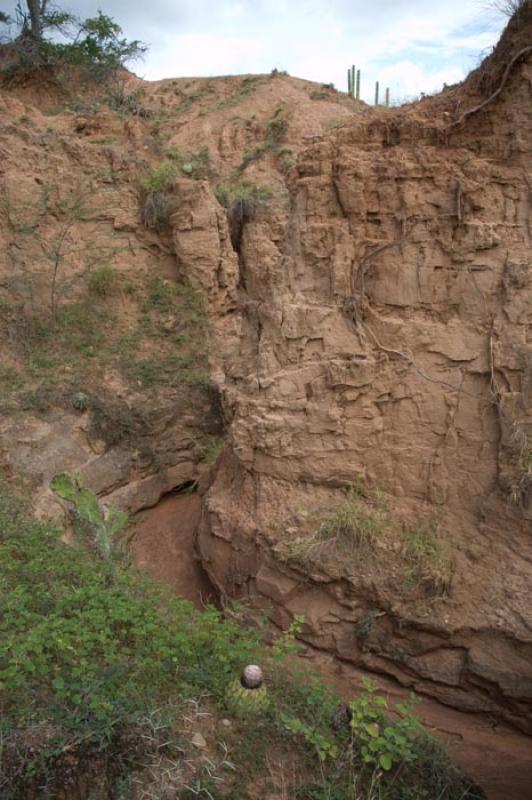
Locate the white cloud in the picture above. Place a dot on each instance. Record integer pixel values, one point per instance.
(195, 54)
(426, 43)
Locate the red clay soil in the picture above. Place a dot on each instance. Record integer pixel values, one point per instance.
(163, 546)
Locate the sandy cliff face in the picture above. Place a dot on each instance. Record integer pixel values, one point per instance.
(384, 341)
(370, 336)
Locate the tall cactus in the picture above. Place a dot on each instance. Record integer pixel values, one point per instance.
(387, 97)
(351, 80)
(376, 93)
(357, 92)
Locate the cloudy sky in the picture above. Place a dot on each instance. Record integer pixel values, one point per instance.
(412, 46)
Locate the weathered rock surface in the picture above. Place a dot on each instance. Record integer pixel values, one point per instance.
(385, 335)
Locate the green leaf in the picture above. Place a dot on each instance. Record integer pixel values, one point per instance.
(386, 761)
(372, 729)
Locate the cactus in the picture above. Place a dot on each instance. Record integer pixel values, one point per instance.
(351, 80)
(376, 93)
(387, 97)
(80, 401)
(244, 702)
(357, 93)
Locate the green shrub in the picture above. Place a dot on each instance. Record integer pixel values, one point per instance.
(381, 741)
(88, 645)
(128, 103)
(277, 126)
(95, 44)
(285, 159)
(160, 179)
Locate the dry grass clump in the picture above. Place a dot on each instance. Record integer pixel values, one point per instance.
(351, 531)
(427, 564)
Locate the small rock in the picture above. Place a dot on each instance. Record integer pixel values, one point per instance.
(198, 740)
(226, 723)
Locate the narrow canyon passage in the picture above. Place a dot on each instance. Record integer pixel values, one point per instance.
(494, 755)
(163, 547)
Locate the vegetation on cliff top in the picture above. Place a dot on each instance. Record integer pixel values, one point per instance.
(47, 37)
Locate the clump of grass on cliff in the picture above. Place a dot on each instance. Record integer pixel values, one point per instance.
(276, 130)
(193, 165)
(361, 530)
(351, 530)
(95, 660)
(426, 562)
(156, 190)
(255, 197)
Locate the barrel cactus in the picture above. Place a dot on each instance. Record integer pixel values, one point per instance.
(247, 696)
(80, 401)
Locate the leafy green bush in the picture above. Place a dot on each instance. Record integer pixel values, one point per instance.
(95, 44)
(160, 178)
(383, 742)
(87, 645)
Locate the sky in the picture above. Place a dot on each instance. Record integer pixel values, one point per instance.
(411, 46)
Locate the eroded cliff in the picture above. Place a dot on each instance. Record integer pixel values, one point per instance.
(385, 343)
(368, 284)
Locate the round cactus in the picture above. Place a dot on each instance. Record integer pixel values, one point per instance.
(80, 401)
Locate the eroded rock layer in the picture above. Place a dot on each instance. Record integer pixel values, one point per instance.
(382, 339)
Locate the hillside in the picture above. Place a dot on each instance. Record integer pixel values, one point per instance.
(312, 315)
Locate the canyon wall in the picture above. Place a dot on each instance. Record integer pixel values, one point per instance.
(382, 340)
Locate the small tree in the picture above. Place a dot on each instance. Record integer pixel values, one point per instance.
(47, 36)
